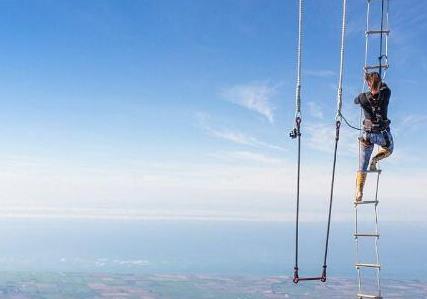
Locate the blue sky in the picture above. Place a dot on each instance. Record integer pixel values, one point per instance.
(181, 109)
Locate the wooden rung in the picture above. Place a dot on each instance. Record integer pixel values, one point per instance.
(361, 296)
(373, 67)
(377, 266)
(374, 171)
(364, 202)
(366, 235)
(377, 32)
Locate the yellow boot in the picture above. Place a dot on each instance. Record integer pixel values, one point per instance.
(382, 153)
(360, 183)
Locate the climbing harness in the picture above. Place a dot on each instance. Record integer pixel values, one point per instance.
(296, 134)
(382, 67)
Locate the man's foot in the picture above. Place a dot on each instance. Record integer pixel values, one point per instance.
(360, 182)
(359, 196)
(382, 153)
(373, 166)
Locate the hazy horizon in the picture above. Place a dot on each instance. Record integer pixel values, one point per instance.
(200, 247)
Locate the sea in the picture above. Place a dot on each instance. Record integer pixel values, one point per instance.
(205, 247)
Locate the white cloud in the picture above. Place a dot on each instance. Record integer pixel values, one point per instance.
(215, 190)
(248, 156)
(412, 121)
(233, 135)
(321, 137)
(320, 73)
(315, 110)
(406, 125)
(254, 96)
(240, 138)
(241, 185)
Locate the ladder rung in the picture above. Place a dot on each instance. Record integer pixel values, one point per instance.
(364, 202)
(373, 67)
(377, 32)
(374, 171)
(366, 235)
(361, 296)
(368, 266)
(310, 278)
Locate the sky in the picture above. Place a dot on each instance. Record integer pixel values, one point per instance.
(181, 109)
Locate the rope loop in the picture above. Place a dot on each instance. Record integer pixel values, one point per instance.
(296, 276)
(323, 278)
(296, 131)
(337, 130)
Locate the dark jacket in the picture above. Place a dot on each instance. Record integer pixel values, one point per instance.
(375, 108)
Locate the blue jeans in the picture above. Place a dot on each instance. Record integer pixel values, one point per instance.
(367, 142)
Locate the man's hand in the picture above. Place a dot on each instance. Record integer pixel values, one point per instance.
(357, 100)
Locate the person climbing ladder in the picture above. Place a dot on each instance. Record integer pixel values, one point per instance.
(376, 128)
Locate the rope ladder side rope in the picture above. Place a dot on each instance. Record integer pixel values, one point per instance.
(337, 132)
(296, 132)
(382, 69)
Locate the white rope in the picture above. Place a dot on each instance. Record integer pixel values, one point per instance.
(377, 251)
(339, 92)
(366, 46)
(299, 59)
(387, 26)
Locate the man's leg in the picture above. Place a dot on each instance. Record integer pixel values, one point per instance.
(384, 152)
(366, 148)
(360, 183)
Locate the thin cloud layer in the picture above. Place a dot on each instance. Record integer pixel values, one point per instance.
(321, 136)
(242, 139)
(254, 96)
(315, 110)
(320, 73)
(233, 136)
(249, 156)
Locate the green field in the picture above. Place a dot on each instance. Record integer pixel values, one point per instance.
(21, 285)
